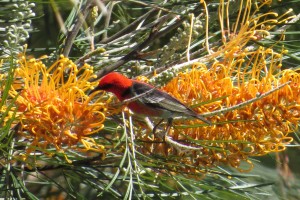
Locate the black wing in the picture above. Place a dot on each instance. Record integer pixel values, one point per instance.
(161, 100)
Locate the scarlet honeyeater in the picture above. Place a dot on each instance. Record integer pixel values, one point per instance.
(146, 99)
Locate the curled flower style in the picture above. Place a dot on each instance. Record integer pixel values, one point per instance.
(251, 24)
(52, 106)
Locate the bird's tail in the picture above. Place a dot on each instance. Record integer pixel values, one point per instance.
(203, 119)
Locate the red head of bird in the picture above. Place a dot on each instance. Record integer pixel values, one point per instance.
(115, 83)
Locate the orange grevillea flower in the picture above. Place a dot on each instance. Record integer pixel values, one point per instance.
(52, 106)
(245, 72)
(253, 130)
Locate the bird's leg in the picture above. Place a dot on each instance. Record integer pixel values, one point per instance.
(155, 127)
(169, 124)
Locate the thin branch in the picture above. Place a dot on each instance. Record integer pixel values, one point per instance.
(238, 106)
(91, 161)
(78, 24)
(127, 32)
(134, 54)
(108, 17)
(182, 148)
(128, 28)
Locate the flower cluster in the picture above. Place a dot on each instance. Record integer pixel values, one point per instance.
(52, 107)
(244, 73)
(255, 129)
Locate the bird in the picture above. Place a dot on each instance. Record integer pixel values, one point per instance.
(145, 99)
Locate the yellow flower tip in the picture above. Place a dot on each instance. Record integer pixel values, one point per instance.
(102, 147)
(267, 33)
(292, 17)
(61, 56)
(92, 87)
(253, 37)
(142, 79)
(279, 65)
(269, 51)
(67, 159)
(43, 57)
(275, 21)
(94, 76)
(285, 51)
(101, 50)
(32, 60)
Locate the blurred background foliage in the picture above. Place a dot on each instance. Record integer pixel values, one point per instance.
(135, 38)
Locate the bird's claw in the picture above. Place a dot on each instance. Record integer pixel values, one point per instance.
(161, 135)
